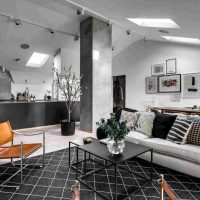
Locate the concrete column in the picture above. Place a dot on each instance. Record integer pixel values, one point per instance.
(96, 68)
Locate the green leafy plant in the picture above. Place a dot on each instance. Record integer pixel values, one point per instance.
(113, 128)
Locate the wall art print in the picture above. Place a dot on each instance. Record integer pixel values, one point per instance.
(171, 66)
(169, 83)
(151, 85)
(158, 69)
(191, 85)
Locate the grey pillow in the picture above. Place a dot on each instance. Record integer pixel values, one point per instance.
(145, 123)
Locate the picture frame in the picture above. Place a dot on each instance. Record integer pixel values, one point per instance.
(169, 83)
(171, 66)
(151, 84)
(158, 69)
(191, 85)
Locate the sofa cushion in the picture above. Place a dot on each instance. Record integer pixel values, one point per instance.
(118, 113)
(179, 131)
(135, 137)
(145, 123)
(187, 151)
(194, 133)
(162, 124)
(130, 117)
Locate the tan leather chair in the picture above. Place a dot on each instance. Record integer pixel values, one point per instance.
(21, 151)
(165, 188)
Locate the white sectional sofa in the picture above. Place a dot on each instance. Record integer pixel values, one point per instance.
(184, 158)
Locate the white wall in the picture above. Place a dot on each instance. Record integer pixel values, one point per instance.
(70, 56)
(39, 90)
(135, 62)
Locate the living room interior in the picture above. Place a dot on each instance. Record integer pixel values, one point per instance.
(99, 100)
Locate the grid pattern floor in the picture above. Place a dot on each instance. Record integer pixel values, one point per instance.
(54, 181)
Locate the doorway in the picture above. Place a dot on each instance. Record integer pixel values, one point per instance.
(119, 92)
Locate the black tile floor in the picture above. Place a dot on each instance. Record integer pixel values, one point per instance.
(54, 181)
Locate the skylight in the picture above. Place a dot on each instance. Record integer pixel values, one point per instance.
(37, 59)
(155, 23)
(182, 39)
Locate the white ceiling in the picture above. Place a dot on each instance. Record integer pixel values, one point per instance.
(61, 15)
(186, 13)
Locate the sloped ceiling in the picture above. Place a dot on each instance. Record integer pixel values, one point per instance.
(55, 14)
(184, 12)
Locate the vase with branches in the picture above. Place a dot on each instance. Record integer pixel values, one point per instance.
(69, 84)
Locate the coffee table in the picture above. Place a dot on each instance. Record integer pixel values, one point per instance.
(76, 143)
(100, 150)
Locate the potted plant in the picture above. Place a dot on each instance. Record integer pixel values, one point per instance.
(116, 132)
(69, 84)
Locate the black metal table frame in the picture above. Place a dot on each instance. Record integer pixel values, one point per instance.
(106, 165)
(77, 161)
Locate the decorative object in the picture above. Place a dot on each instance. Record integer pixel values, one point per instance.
(152, 85)
(179, 131)
(194, 133)
(87, 140)
(130, 117)
(171, 66)
(145, 123)
(69, 84)
(158, 69)
(116, 131)
(191, 85)
(115, 147)
(169, 83)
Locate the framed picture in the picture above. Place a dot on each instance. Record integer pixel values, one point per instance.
(171, 66)
(151, 85)
(169, 83)
(191, 85)
(158, 69)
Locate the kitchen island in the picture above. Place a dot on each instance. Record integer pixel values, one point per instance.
(23, 114)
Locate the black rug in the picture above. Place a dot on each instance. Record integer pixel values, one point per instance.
(55, 180)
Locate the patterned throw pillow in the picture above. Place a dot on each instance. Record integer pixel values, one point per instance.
(179, 131)
(145, 123)
(130, 117)
(194, 133)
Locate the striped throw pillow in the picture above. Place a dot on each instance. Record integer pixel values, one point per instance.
(179, 131)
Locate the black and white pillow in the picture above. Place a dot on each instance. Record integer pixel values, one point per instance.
(179, 131)
(194, 133)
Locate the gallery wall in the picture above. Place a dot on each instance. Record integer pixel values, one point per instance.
(135, 62)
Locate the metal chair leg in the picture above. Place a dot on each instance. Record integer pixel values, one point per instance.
(161, 189)
(21, 161)
(43, 148)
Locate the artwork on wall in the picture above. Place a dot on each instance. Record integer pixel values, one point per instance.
(158, 69)
(169, 83)
(171, 66)
(191, 85)
(151, 85)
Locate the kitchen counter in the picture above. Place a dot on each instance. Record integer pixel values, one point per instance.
(23, 114)
(36, 101)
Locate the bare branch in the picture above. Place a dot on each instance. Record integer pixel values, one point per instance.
(69, 84)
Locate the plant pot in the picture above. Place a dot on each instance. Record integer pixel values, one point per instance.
(101, 134)
(67, 128)
(115, 147)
